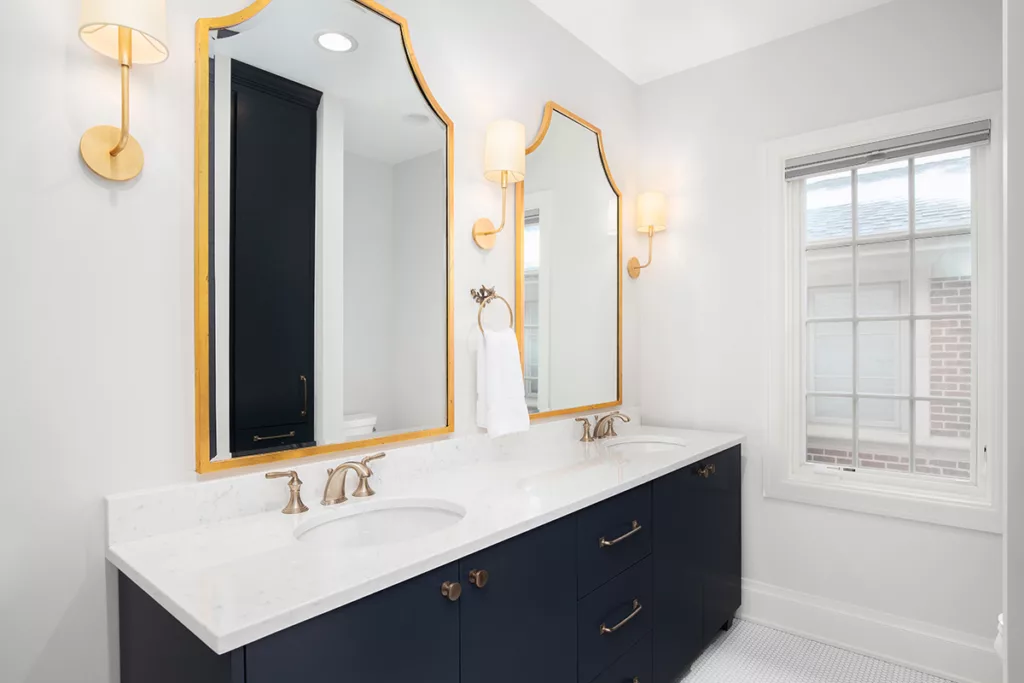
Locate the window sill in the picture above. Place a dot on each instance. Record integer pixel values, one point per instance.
(857, 493)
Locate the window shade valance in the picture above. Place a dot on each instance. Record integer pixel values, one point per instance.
(954, 137)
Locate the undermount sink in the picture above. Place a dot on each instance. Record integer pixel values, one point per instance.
(643, 443)
(371, 523)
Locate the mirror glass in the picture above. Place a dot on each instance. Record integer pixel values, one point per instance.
(328, 234)
(568, 221)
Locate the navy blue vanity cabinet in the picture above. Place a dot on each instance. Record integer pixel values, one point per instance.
(157, 648)
(632, 587)
(722, 554)
(518, 609)
(409, 632)
(696, 556)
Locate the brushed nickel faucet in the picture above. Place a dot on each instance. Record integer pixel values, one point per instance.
(605, 426)
(334, 492)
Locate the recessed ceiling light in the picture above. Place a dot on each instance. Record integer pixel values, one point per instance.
(337, 42)
(417, 119)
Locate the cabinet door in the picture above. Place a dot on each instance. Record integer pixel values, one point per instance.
(406, 633)
(721, 550)
(521, 625)
(680, 526)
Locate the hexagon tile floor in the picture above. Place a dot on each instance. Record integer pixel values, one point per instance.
(750, 653)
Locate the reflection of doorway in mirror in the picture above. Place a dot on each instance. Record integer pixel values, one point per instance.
(539, 211)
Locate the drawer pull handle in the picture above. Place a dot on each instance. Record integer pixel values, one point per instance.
(637, 607)
(604, 543)
(707, 470)
(257, 439)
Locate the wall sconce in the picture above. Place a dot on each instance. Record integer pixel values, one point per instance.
(504, 162)
(650, 216)
(132, 32)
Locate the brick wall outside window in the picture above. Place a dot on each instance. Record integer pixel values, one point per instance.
(950, 355)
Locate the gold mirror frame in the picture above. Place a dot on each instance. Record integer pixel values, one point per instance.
(202, 303)
(549, 110)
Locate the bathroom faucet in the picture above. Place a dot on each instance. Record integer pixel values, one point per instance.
(334, 492)
(605, 426)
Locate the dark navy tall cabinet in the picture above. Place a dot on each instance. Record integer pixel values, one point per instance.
(630, 588)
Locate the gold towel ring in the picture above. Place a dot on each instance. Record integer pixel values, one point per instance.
(485, 296)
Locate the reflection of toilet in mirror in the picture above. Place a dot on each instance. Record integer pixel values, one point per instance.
(359, 424)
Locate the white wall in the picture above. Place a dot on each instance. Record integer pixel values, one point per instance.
(97, 279)
(418, 388)
(369, 289)
(329, 273)
(1013, 569)
(703, 352)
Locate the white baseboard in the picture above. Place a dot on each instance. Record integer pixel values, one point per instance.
(946, 653)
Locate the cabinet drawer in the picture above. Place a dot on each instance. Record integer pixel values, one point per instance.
(612, 619)
(635, 665)
(612, 536)
(719, 472)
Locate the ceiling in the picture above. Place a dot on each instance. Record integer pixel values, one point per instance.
(649, 39)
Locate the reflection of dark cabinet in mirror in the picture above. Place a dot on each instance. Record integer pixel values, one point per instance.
(273, 240)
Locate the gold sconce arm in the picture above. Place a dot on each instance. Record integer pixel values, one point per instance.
(483, 229)
(634, 266)
(124, 51)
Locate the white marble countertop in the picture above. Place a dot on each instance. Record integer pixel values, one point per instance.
(234, 581)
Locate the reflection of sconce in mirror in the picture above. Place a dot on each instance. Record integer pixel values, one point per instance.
(132, 32)
(504, 162)
(650, 216)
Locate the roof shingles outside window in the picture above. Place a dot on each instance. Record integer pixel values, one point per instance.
(889, 216)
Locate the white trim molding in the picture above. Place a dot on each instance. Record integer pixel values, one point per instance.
(971, 505)
(946, 653)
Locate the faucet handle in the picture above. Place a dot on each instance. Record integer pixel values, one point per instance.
(586, 438)
(370, 458)
(363, 489)
(295, 505)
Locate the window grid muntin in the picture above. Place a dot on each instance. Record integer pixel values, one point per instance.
(911, 237)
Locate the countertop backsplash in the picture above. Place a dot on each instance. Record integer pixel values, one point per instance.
(151, 512)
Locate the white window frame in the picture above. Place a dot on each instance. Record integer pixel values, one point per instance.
(900, 343)
(787, 474)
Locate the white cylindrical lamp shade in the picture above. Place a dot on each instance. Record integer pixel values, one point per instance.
(505, 150)
(100, 20)
(651, 210)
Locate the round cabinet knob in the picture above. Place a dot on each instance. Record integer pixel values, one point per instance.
(451, 590)
(479, 577)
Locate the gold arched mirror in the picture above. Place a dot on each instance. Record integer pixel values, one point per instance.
(323, 235)
(569, 270)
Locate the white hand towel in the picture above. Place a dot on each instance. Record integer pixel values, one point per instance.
(481, 382)
(501, 396)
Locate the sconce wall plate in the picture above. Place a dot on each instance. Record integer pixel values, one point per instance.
(96, 145)
(484, 233)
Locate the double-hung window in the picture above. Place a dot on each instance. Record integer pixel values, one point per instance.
(886, 325)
